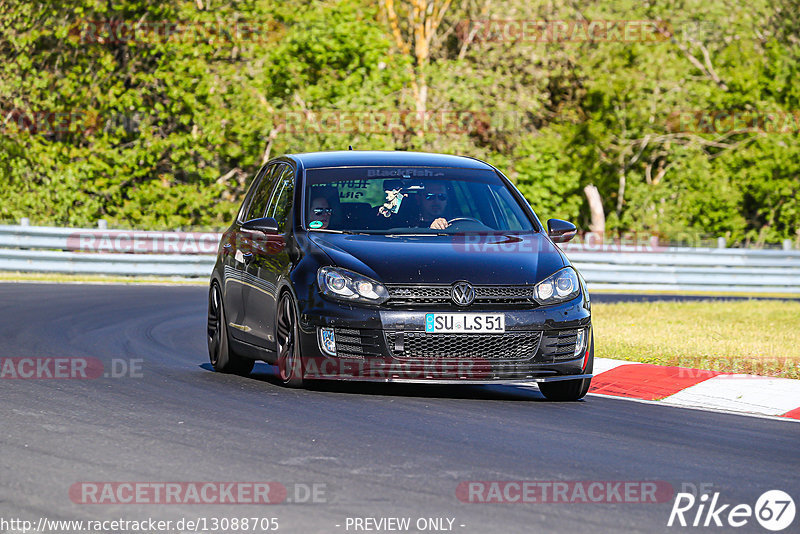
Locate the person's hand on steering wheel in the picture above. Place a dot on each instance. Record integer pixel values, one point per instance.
(440, 224)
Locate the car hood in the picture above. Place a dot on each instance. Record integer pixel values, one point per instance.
(438, 259)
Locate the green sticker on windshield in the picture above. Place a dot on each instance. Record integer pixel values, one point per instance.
(315, 224)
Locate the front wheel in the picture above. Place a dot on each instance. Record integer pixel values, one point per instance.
(290, 364)
(570, 390)
(222, 358)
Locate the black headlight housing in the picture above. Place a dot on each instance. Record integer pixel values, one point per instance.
(561, 286)
(346, 285)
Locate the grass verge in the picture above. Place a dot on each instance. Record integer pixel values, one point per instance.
(759, 337)
(712, 294)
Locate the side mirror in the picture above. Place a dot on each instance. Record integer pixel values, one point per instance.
(266, 225)
(560, 231)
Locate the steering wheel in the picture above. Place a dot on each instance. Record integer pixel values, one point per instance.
(461, 219)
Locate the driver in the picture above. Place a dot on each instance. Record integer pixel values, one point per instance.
(432, 204)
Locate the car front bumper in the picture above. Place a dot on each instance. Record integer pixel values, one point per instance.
(368, 348)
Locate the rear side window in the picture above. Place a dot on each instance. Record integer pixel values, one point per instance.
(251, 190)
(258, 201)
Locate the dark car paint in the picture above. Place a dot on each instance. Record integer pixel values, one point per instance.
(432, 259)
(289, 262)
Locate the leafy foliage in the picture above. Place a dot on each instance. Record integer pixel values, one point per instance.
(105, 116)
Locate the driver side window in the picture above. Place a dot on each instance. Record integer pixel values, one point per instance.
(282, 198)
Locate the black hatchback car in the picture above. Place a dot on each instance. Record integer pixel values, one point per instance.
(398, 266)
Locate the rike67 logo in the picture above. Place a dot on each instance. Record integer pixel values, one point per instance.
(774, 510)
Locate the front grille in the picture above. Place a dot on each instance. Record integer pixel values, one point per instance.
(559, 345)
(440, 294)
(356, 343)
(420, 294)
(493, 347)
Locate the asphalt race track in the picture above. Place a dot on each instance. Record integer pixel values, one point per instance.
(379, 451)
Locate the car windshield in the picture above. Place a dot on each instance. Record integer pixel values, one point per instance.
(413, 200)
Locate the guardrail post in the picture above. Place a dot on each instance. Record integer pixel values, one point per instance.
(721, 242)
(787, 244)
(24, 221)
(102, 224)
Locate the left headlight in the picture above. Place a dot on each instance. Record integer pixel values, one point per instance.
(346, 285)
(561, 286)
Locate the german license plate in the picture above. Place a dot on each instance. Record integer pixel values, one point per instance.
(466, 323)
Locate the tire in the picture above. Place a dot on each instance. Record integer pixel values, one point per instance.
(222, 358)
(290, 363)
(570, 390)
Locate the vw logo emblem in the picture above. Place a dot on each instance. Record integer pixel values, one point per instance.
(462, 293)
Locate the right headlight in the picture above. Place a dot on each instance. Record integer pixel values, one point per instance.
(560, 286)
(347, 285)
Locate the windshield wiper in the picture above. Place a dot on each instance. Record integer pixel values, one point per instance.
(415, 235)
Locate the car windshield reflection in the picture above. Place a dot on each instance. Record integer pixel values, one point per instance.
(423, 201)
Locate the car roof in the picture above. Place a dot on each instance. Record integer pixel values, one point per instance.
(377, 158)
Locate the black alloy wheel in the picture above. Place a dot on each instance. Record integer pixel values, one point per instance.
(290, 364)
(222, 358)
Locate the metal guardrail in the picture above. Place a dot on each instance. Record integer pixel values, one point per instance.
(46, 261)
(690, 269)
(191, 254)
(110, 252)
(100, 240)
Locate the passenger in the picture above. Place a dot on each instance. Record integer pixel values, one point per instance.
(433, 204)
(320, 211)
